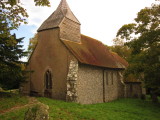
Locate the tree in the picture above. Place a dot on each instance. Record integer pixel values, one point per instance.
(143, 38)
(119, 48)
(12, 15)
(32, 43)
(11, 72)
(37, 2)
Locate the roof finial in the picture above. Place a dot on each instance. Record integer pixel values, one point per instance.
(63, 4)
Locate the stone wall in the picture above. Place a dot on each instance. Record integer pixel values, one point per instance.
(97, 85)
(72, 81)
(114, 88)
(89, 84)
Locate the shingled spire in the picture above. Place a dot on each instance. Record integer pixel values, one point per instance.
(63, 18)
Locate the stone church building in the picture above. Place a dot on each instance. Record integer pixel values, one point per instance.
(70, 66)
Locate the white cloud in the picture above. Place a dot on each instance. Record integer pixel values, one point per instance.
(34, 30)
(99, 19)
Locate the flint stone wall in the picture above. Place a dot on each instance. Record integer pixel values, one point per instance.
(89, 84)
(72, 81)
(114, 88)
(92, 86)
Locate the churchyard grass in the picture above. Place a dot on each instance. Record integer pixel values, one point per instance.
(122, 109)
(10, 99)
(14, 115)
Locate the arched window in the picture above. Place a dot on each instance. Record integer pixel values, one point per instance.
(48, 80)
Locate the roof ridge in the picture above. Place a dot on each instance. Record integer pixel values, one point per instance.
(93, 39)
(80, 43)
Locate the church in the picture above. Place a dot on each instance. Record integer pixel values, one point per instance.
(69, 66)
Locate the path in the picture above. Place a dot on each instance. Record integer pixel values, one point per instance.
(32, 101)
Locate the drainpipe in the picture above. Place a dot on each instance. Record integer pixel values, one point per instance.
(125, 88)
(103, 87)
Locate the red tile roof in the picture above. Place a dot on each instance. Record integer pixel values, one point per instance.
(93, 52)
(120, 59)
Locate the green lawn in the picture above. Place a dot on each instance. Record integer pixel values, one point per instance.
(123, 109)
(14, 115)
(9, 100)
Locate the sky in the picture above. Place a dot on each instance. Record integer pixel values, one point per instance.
(100, 19)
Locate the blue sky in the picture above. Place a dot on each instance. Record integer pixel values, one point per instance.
(99, 19)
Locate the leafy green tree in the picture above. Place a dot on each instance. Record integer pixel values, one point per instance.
(143, 37)
(42, 3)
(11, 72)
(37, 2)
(119, 48)
(12, 15)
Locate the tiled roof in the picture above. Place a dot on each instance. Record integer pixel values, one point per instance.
(55, 19)
(93, 52)
(120, 59)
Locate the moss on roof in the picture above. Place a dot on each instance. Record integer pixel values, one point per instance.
(93, 52)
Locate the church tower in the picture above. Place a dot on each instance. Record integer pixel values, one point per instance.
(51, 58)
(64, 19)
